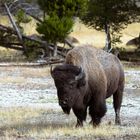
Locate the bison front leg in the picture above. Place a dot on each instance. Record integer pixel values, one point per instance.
(97, 111)
(79, 123)
(81, 116)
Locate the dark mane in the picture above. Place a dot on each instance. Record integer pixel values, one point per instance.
(69, 68)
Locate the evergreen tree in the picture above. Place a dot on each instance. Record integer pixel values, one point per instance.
(111, 16)
(58, 18)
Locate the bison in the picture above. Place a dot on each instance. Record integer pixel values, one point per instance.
(87, 77)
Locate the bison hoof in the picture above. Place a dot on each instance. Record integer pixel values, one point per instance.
(79, 125)
(91, 122)
(96, 122)
(117, 122)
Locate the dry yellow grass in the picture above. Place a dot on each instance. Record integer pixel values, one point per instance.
(133, 30)
(19, 76)
(97, 38)
(4, 20)
(7, 79)
(13, 116)
(36, 72)
(29, 28)
(17, 122)
(87, 35)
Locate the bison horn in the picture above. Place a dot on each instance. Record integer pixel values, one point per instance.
(51, 71)
(80, 75)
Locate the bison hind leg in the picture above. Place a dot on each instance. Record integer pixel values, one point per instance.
(117, 101)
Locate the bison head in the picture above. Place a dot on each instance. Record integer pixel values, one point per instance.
(69, 80)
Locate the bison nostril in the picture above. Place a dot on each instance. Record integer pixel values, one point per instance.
(62, 103)
(66, 99)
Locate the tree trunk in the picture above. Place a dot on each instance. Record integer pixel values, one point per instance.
(55, 50)
(108, 37)
(15, 27)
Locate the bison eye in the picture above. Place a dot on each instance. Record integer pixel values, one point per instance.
(72, 84)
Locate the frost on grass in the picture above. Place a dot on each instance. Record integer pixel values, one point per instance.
(29, 109)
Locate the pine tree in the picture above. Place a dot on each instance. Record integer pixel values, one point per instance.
(58, 18)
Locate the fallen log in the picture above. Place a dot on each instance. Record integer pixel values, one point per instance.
(43, 44)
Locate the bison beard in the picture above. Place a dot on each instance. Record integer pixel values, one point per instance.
(66, 109)
(85, 80)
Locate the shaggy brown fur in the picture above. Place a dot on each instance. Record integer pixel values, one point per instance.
(101, 76)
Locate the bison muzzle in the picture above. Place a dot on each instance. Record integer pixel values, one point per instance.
(89, 76)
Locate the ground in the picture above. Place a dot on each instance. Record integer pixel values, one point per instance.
(28, 103)
(29, 109)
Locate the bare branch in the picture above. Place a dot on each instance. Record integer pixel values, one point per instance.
(36, 18)
(13, 22)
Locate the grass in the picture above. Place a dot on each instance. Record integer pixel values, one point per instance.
(12, 80)
(129, 67)
(41, 123)
(29, 28)
(36, 72)
(87, 35)
(23, 75)
(8, 55)
(21, 122)
(28, 122)
(97, 38)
